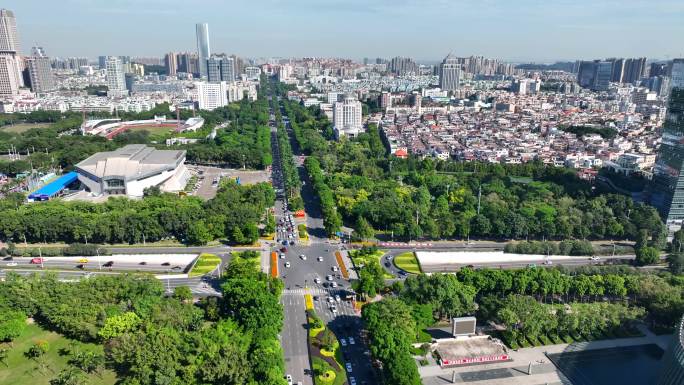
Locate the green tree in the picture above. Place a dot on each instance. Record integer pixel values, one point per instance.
(647, 256)
(182, 293)
(88, 361)
(199, 234)
(12, 324)
(675, 262)
(117, 325)
(69, 376)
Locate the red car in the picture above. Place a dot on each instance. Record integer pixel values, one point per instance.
(37, 261)
(283, 249)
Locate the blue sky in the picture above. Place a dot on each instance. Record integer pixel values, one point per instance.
(515, 30)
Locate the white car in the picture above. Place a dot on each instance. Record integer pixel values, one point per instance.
(333, 309)
(287, 264)
(329, 277)
(595, 258)
(289, 379)
(334, 268)
(337, 298)
(320, 259)
(351, 341)
(334, 284)
(330, 299)
(348, 366)
(282, 256)
(317, 280)
(352, 381)
(343, 342)
(303, 257)
(11, 264)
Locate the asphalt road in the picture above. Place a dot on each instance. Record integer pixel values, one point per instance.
(25, 263)
(299, 279)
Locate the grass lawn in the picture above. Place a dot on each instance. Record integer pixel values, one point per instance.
(18, 128)
(407, 262)
(24, 371)
(361, 260)
(206, 263)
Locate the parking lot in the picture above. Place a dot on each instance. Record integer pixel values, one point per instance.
(208, 178)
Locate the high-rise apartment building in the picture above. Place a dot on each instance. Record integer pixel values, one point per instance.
(252, 73)
(171, 63)
(668, 189)
(586, 73)
(604, 73)
(403, 66)
(347, 118)
(10, 72)
(38, 52)
(449, 74)
(211, 96)
(596, 74)
(203, 49)
(40, 74)
(116, 80)
(9, 40)
(220, 69)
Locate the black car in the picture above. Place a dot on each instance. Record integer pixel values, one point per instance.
(108, 264)
(143, 263)
(81, 266)
(8, 258)
(387, 264)
(166, 264)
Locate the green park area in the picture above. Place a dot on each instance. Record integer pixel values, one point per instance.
(366, 256)
(326, 355)
(407, 262)
(206, 263)
(27, 365)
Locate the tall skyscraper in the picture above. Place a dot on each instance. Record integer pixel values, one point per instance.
(449, 74)
(203, 49)
(347, 119)
(171, 63)
(116, 80)
(10, 73)
(668, 189)
(9, 41)
(40, 74)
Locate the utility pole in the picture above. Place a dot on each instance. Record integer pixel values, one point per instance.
(99, 261)
(479, 196)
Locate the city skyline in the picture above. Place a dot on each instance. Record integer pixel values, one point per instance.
(566, 30)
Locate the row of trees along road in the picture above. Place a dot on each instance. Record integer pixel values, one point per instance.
(234, 214)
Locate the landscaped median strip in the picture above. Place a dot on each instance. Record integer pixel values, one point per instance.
(206, 263)
(274, 264)
(308, 301)
(340, 262)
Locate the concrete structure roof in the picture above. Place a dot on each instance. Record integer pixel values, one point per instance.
(131, 162)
